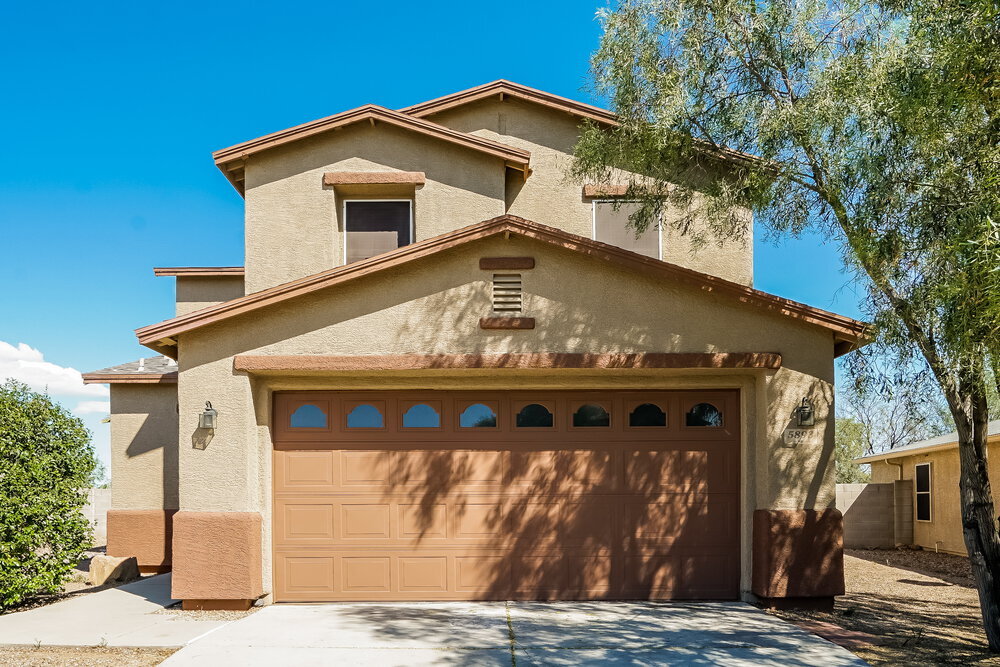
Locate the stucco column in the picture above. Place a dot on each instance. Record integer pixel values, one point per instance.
(217, 541)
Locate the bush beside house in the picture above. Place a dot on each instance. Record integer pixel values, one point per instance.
(46, 468)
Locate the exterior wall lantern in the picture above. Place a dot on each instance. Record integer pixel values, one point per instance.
(805, 414)
(209, 417)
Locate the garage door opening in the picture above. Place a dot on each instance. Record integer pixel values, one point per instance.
(506, 495)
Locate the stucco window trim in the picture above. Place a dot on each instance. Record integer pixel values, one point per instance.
(343, 214)
(929, 493)
(605, 200)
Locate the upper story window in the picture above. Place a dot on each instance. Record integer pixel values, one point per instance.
(372, 227)
(611, 226)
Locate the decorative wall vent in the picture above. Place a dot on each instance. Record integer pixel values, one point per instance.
(507, 293)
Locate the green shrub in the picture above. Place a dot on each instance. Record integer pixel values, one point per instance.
(46, 466)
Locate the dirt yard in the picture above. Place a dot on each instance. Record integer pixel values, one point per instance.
(82, 657)
(922, 606)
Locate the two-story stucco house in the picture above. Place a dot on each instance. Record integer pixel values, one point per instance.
(447, 373)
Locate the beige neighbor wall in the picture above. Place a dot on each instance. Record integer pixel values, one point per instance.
(293, 225)
(197, 292)
(549, 198)
(944, 531)
(143, 446)
(433, 306)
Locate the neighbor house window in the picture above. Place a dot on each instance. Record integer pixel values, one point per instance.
(922, 485)
(372, 227)
(611, 226)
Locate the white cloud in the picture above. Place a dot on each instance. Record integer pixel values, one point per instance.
(92, 407)
(28, 365)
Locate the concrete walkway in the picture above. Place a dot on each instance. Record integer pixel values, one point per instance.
(123, 616)
(560, 633)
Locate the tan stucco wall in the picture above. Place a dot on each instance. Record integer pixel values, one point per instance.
(549, 198)
(293, 226)
(197, 292)
(144, 446)
(944, 530)
(433, 306)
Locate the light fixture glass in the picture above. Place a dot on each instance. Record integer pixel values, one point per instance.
(209, 417)
(805, 414)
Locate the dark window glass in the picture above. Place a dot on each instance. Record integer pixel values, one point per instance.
(421, 416)
(374, 227)
(591, 415)
(365, 416)
(923, 507)
(647, 414)
(478, 416)
(534, 415)
(923, 474)
(704, 414)
(308, 416)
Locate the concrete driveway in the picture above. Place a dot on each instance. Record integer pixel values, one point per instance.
(514, 633)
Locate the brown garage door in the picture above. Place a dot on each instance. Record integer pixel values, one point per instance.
(515, 495)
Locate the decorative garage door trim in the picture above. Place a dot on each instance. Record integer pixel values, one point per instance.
(506, 495)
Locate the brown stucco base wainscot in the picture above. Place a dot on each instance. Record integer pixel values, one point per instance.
(217, 559)
(798, 557)
(145, 534)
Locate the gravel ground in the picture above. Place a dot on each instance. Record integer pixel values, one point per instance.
(47, 656)
(922, 606)
(208, 615)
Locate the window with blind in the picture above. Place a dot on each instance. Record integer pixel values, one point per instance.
(611, 226)
(372, 227)
(922, 486)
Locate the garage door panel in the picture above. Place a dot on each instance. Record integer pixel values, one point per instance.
(562, 522)
(366, 574)
(419, 522)
(561, 575)
(306, 471)
(365, 521)
(306, 520)
(365, 470)
(479, 521)
(681, 519)
(562, 471)
(681, 575)
(490, 513)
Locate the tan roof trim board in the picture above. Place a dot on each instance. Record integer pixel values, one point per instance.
(902, 453)
(844, 328)
(334, 178)
(503, 88)
(231, 160)
(543, 360)
(130, 378)
(592, 191)
(198, 271)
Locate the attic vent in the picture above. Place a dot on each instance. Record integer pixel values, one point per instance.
(507, 293)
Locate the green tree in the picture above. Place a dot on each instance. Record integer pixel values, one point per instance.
(874, 124)
(850, 443)
(46, 466)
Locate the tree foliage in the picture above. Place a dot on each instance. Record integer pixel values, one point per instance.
(875, 124)
(46, 466)
(850, 443)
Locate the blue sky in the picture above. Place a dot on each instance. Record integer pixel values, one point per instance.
(111, 111)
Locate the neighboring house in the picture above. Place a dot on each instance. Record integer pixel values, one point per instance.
(931, 468)
(446, 373)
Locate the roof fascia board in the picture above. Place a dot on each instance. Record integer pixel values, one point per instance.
(516, 91)
(198, 271)
(374, 113)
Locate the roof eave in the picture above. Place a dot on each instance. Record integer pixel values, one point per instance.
(232, 160)
(162, 336)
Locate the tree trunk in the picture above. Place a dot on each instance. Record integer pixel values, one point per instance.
(979, 524)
